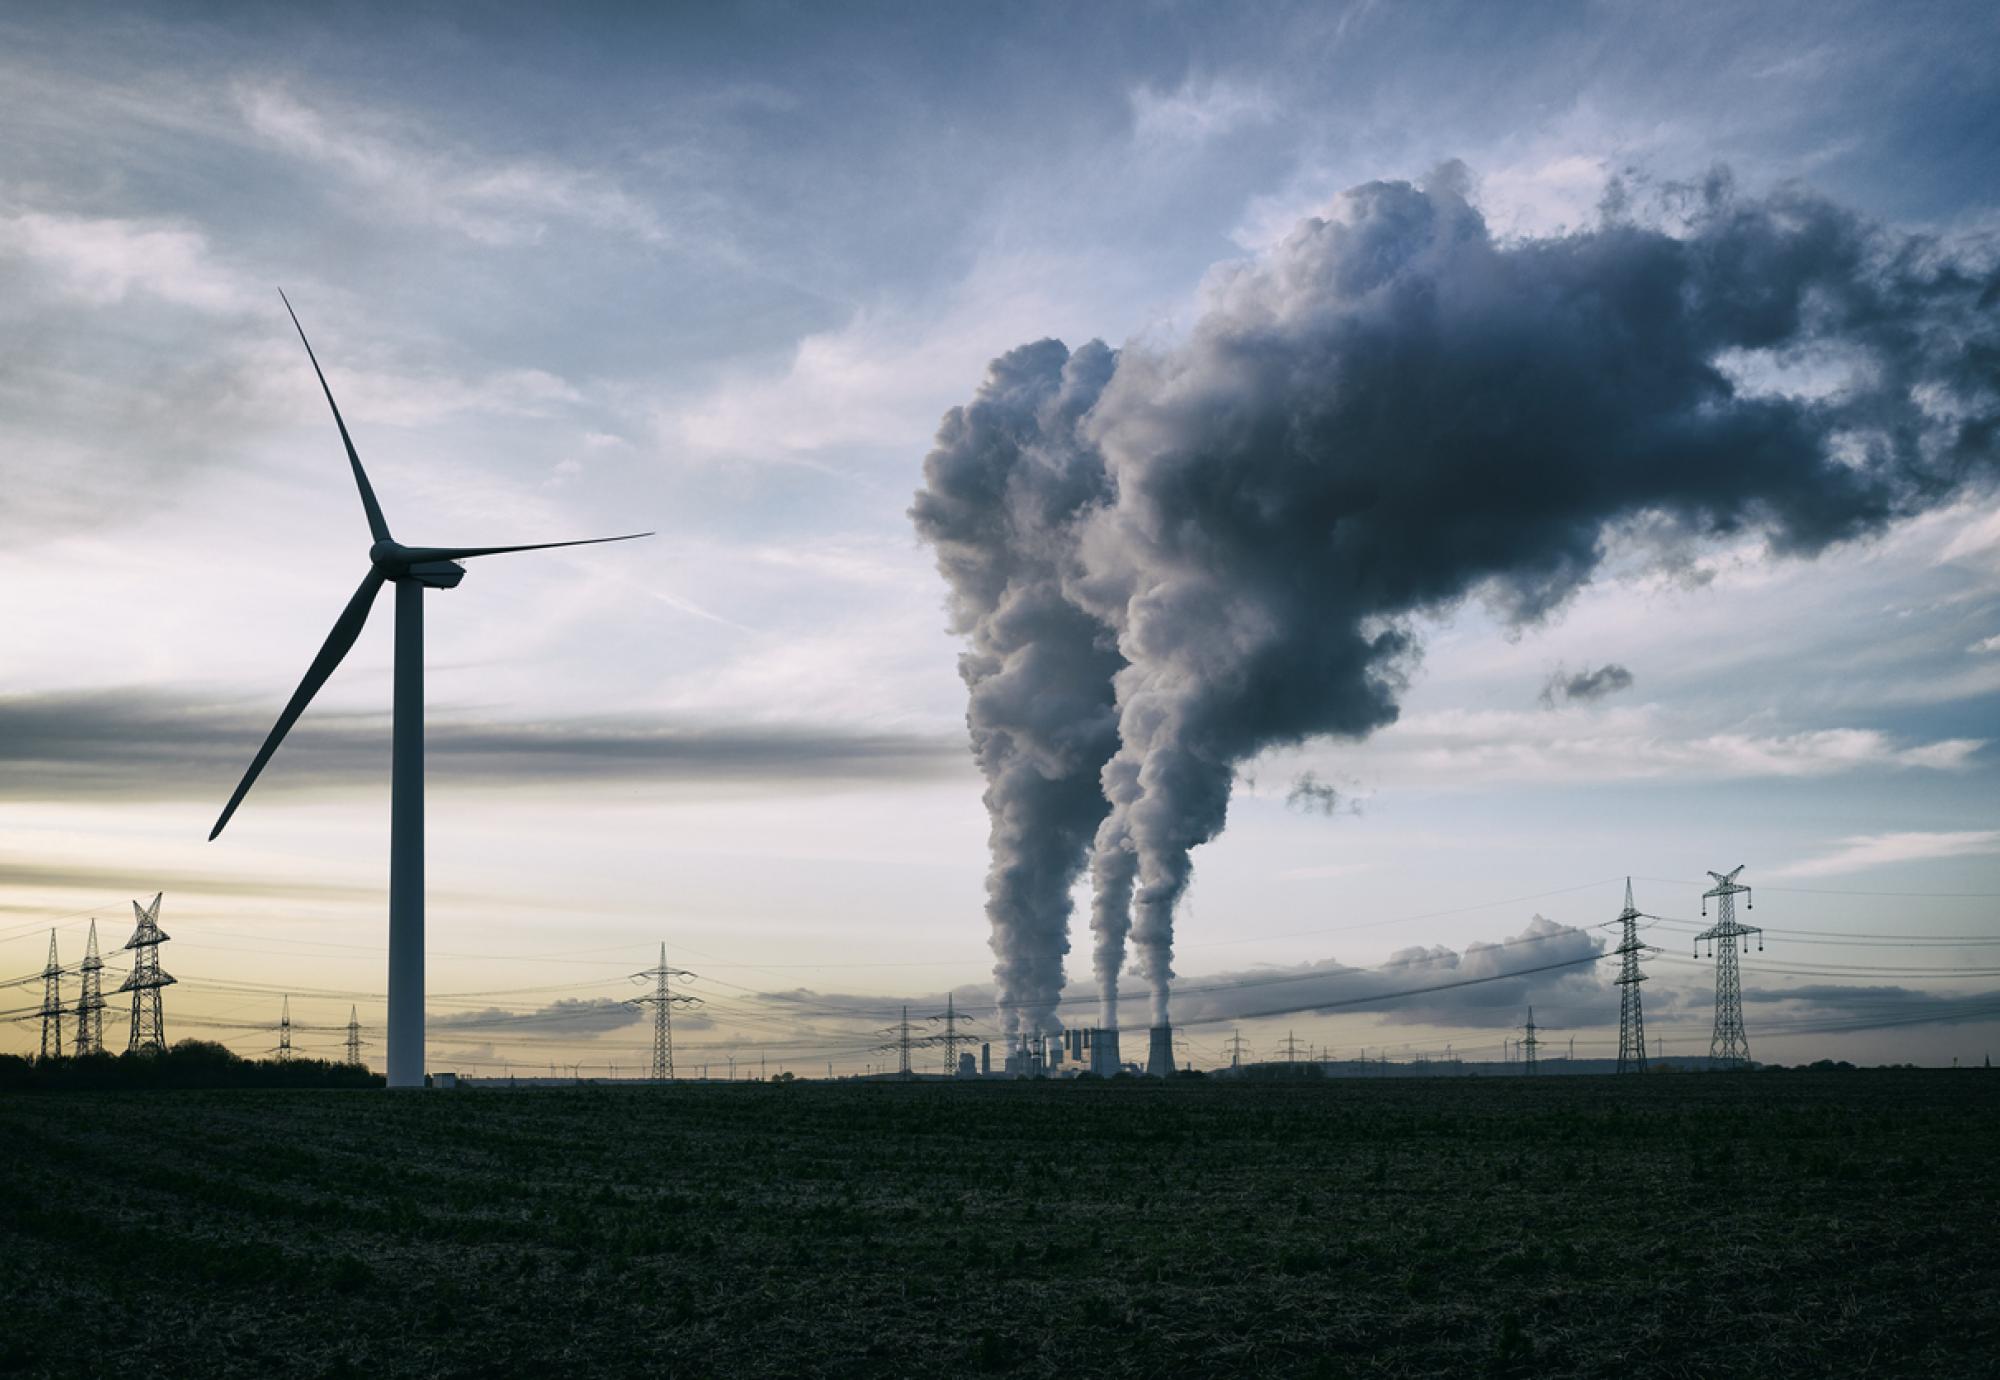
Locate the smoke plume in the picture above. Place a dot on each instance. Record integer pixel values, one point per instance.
(1004, 487)
(1395, 411)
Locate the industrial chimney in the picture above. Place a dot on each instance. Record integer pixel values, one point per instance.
(986, 1060)
(1160, 1058)
(1104, 1053)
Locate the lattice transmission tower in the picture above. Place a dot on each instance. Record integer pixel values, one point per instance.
(149, 1023)
(1236, 1049)
(1729, 1046)
(1631, 1018)
(284, 1049)
(353, 1035)
(663, 999)
(90, 1005)
(52, 1011)
(950, 1039)
(1529, 1044)
(901, 1044)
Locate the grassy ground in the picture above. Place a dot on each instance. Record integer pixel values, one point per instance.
(1773, 1224)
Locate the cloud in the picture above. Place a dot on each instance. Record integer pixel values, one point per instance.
(1321, 871)
(1461, 747)
(1197, 110)
(568, 1016)
(111, 879)
(104, 260)
(1586, 685)
(877, 382)
(1864, 851)
(1881, 1000)
(1486, 985)
(415, 176)
(1986, 644)
(143, 744)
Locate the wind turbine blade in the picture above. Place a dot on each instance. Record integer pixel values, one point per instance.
(466, 553)
(346, 628)
(375, 523)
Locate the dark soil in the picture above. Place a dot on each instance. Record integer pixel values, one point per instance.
(1770, 1223)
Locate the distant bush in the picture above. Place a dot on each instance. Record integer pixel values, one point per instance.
(189, 1064)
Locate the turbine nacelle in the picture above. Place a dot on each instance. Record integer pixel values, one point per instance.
(396, 561)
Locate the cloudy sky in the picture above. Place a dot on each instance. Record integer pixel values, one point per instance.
(720, 275)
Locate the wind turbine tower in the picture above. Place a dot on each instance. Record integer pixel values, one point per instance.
(412, 570)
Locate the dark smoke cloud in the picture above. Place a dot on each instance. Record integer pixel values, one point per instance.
(1395, 411)
(1562, 686)
(1003, 490)
(1310, 795)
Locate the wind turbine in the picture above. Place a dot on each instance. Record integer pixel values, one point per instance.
(412, 569)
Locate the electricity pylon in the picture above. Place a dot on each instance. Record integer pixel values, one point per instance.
(1728, 1047)
(149, 1024)
(353, 1035)
(951, 1039)
(1529, 1044)
(90, 1006)
(663, 999)
(285, 1033)
(901, 1044)
(1236, 1049)
(52, 1012)
(1631, 1018)
(1291, 1049)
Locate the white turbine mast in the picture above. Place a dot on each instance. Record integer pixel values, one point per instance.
(411, 569)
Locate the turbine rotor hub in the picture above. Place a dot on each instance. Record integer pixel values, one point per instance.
(398, 562)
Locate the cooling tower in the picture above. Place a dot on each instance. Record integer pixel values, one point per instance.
(1160, 1057)
(1104, 1053)
(986, 1059)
